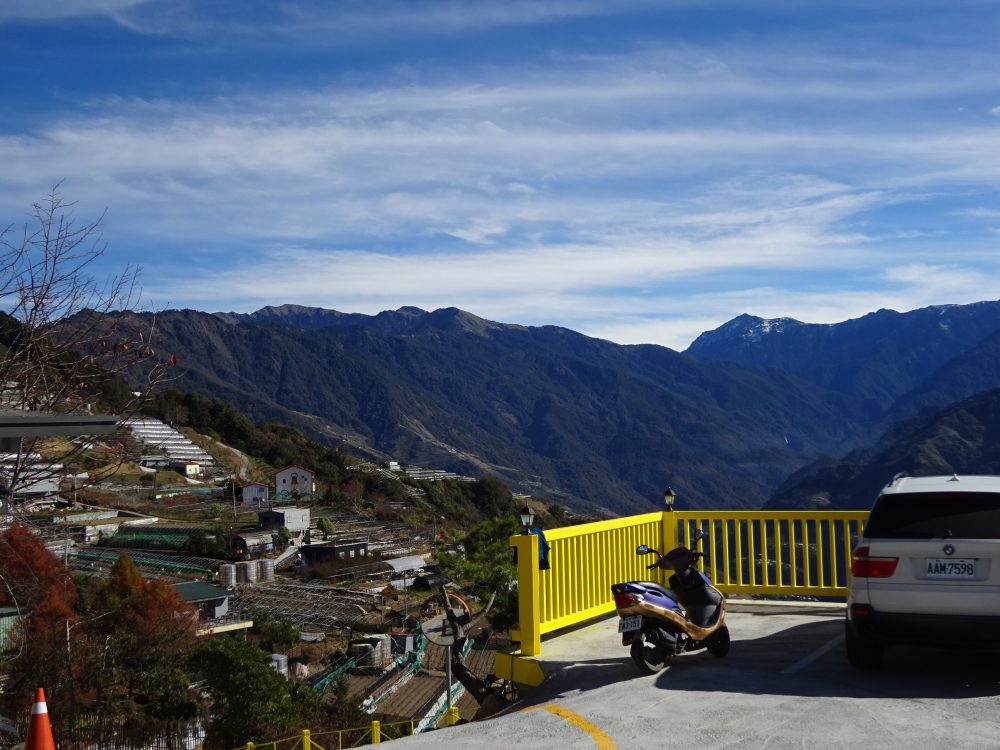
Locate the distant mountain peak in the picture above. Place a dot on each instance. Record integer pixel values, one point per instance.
(743, 329)
(404, 319)
(452, 318)
(411, 310)
(291, 308)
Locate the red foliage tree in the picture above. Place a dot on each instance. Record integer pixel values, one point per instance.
(30, 571)
(149, 632)
(41, 587)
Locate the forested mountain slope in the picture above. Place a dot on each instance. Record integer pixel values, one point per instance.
(583, 421)
(962, 438)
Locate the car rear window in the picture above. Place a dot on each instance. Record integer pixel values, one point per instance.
(934, 515)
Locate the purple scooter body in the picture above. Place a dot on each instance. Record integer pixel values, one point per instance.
(659, 622)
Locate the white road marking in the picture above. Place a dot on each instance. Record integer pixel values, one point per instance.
(809, 659)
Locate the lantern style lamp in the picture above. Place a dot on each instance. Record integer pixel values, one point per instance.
(668, 497)
(527, 519)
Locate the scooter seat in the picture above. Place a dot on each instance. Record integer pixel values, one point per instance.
(658, 587)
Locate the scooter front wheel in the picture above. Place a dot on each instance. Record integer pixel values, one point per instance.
(648, 655)
(718, 643)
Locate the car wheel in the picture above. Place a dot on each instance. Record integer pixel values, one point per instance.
(718, 642)
(862, 653)
(648, 654)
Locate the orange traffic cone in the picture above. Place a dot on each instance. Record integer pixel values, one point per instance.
(39, 729)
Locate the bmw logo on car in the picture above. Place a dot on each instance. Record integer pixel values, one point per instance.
(949, 549)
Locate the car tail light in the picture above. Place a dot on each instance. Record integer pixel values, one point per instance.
(624, 599)
(863, 566)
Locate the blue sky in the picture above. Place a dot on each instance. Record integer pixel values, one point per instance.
(639, 171)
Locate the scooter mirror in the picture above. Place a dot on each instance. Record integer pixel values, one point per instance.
(699, 535)
(642, 549)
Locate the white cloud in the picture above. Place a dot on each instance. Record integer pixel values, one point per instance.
(649, 194)
(980, 212)
(340, 22)
(55, 9)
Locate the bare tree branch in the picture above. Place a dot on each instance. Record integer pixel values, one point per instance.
(67, 342)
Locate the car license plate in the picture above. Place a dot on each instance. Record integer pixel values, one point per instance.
(627, 624)
(961, 567)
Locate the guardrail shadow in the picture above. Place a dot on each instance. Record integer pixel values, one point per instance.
(564, 677)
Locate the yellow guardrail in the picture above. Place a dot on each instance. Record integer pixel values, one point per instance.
(374, 734)
(775, 553)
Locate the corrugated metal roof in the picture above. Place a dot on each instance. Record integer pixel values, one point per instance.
(410, 562)
(199, 591)
(17, 423)
(255, 536)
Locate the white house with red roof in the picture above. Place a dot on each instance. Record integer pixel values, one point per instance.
(293, 483)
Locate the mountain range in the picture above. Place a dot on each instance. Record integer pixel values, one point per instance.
(585, 422)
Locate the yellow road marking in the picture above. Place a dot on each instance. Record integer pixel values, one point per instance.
(598, 735)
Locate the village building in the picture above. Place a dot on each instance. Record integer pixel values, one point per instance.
(186, 468)
(254, 543)
(296, 520)
(211, 601)
(342, 549)
(293, 484)
(255, 495)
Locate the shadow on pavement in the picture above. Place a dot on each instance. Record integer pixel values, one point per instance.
(780, 664)
(803, 660)
(579, 676)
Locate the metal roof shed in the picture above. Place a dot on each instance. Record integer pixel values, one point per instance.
(18, 423)
(401, 564)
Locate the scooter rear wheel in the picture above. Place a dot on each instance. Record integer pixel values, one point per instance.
(718, 642)
(648, 657)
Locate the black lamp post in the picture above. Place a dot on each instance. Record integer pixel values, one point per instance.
(668, 497)
(527, 519)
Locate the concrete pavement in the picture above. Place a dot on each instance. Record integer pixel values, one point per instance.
(784, 684)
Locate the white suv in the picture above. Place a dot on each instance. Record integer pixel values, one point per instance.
(927, 568)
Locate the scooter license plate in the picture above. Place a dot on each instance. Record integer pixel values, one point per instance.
(628, 624)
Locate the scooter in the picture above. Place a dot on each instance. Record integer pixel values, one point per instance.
(660, 622)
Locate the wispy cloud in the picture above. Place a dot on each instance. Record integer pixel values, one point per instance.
(304, 20)
(647, 189)
(58, 9)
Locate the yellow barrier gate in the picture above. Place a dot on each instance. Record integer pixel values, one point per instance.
(775, 553)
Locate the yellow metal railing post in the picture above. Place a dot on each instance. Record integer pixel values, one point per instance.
(738, 524)
(376, 732)
(306, 740)
(669, 531)
(453, 716)
(529, 613)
